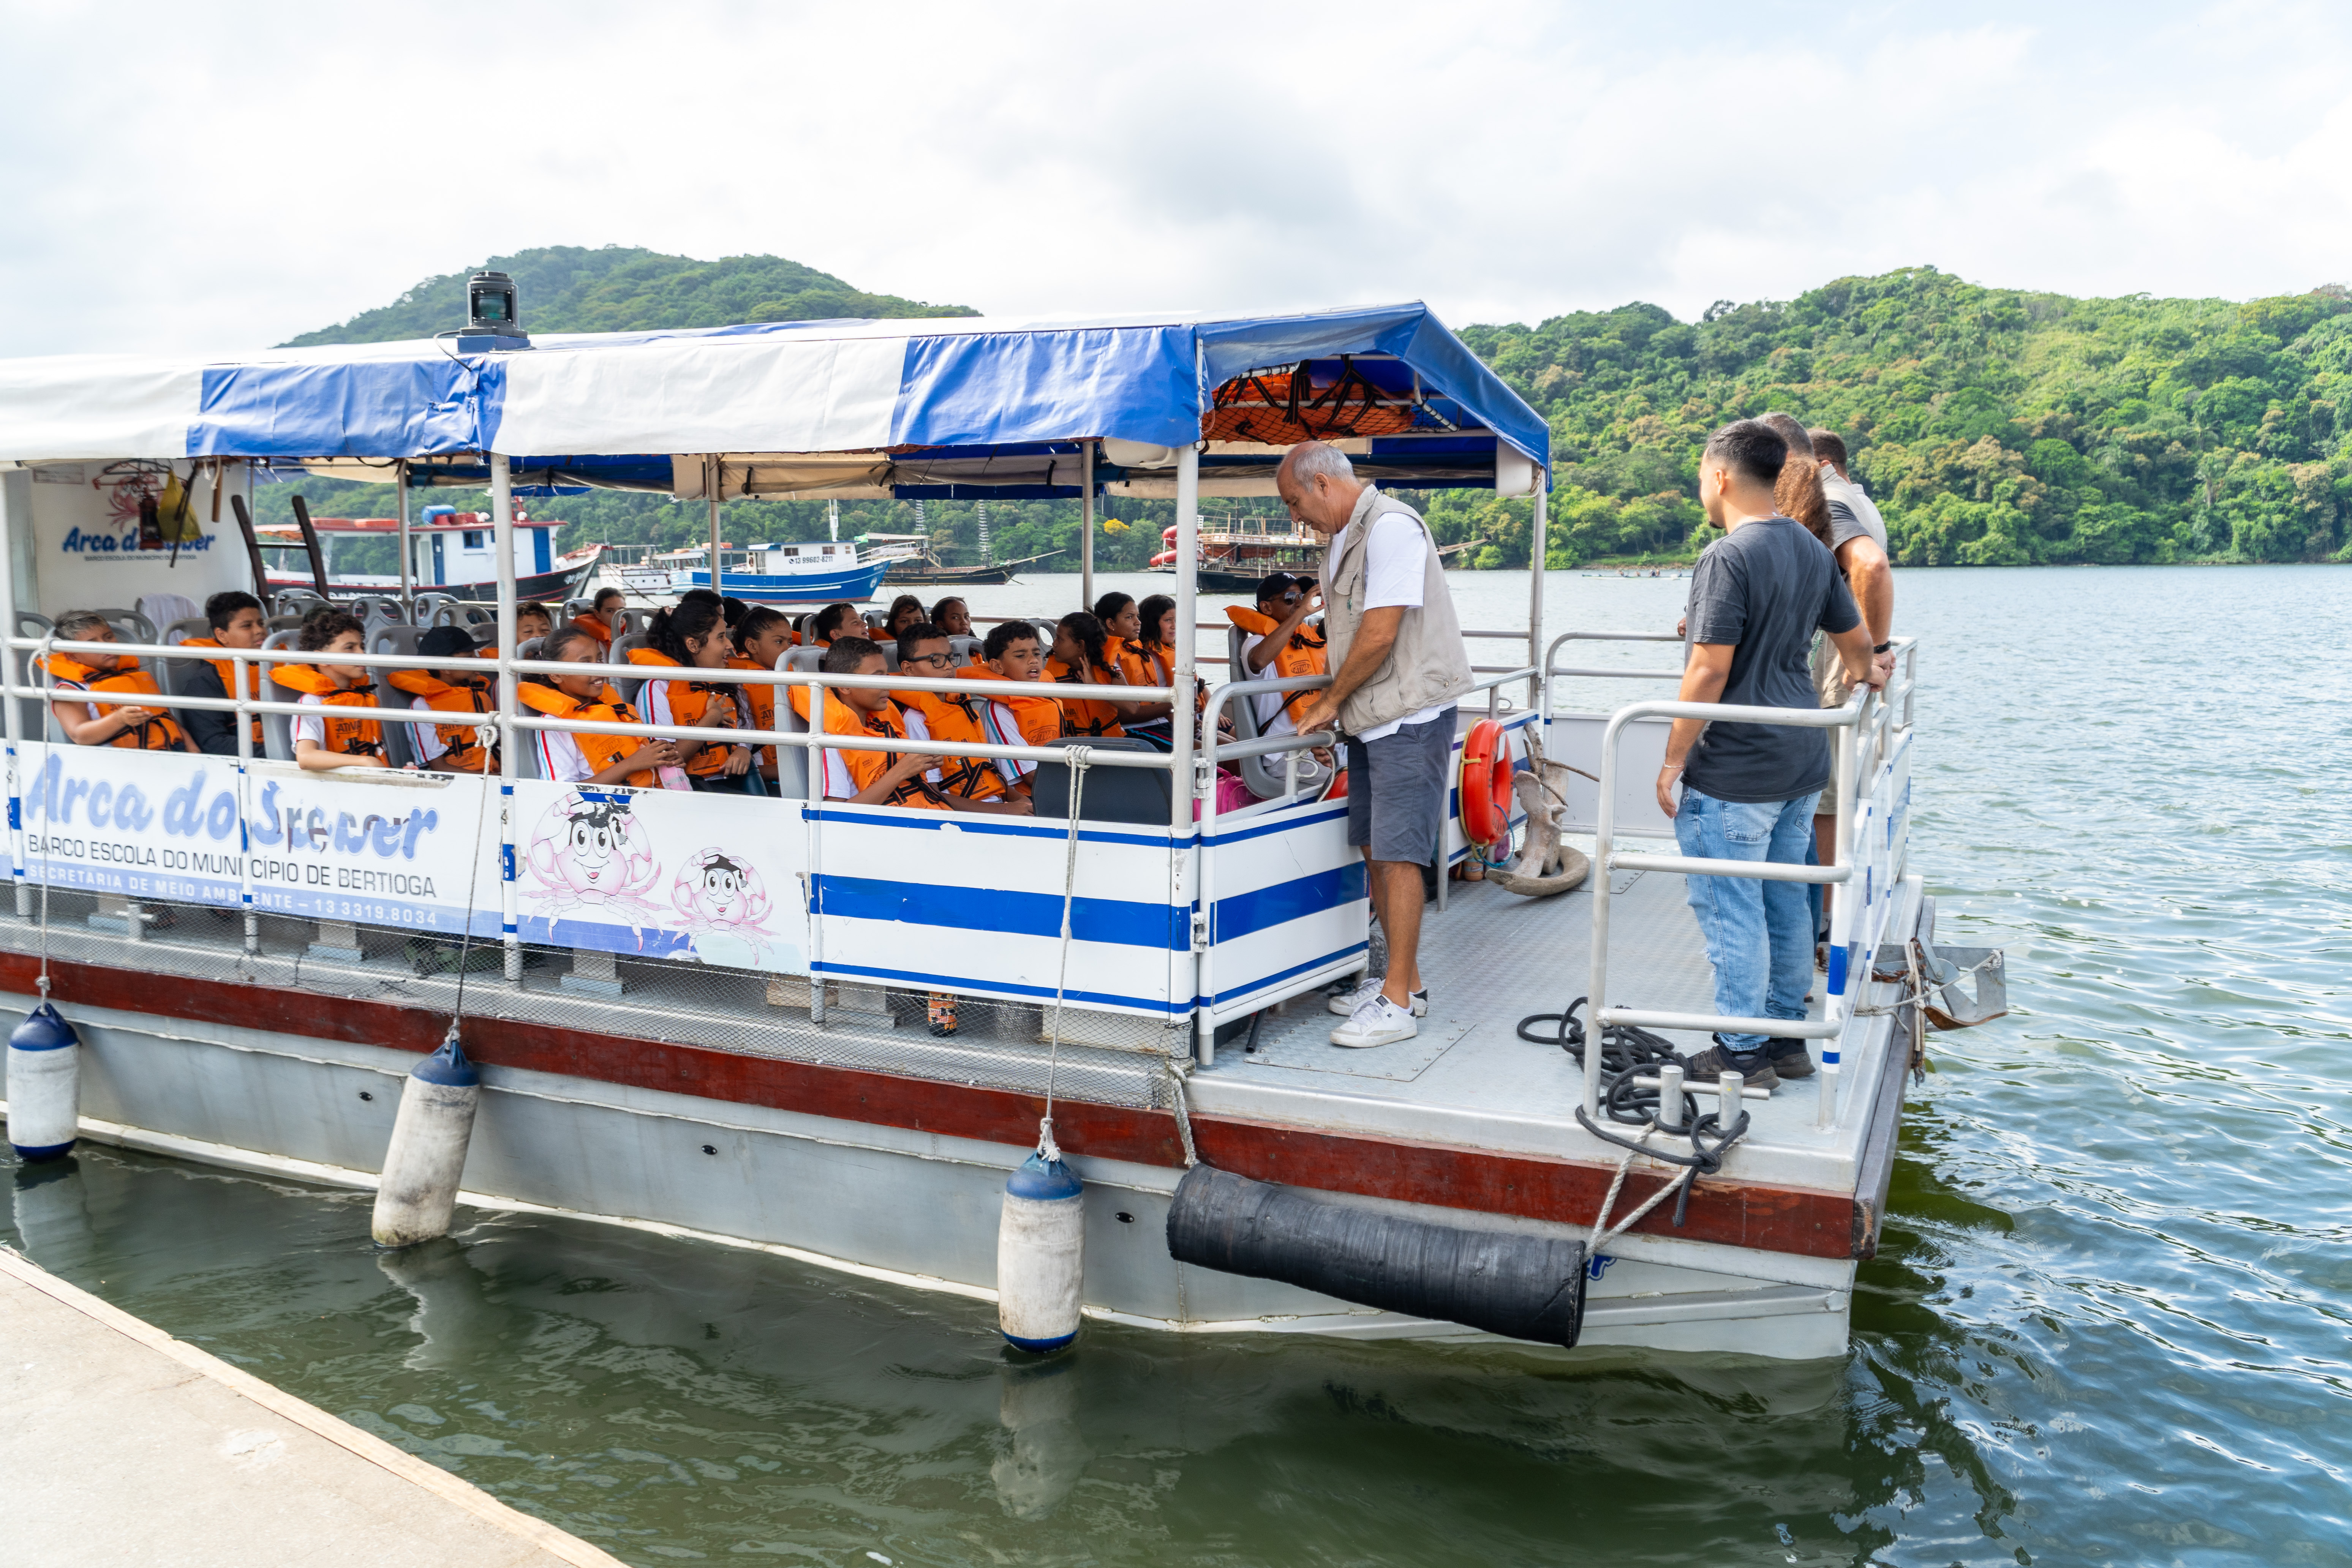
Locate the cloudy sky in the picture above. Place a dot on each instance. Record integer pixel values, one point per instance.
(214, 176)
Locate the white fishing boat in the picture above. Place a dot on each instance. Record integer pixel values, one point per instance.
(813, 572)
(708, 1014)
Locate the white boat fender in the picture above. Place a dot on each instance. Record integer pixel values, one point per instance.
(1041, 1255)
(427, 1153)
(1521, 1287)
(44, 1086)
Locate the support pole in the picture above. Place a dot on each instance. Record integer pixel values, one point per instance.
(509, 738)
(15, 513)
(714, 472)
(1539, 684)
(1086, 537)
(408, 588)
(1182, 785)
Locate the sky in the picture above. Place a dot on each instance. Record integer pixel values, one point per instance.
(197, 178)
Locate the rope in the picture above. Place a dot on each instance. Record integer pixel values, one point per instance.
(1080, 757)
(1184, 1115)
(473, 884)
(48, 828)
(1625, 1052)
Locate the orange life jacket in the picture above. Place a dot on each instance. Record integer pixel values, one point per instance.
(1304, 654)
(949, 716)
(691, 703)
(760, 700)
(226, 669)
(462, 747)
(1127, 658)
(345, 737)
(594, 628)
(602, 750)
(149, 734)
(866, 768)
(1082, 715)
(1040, 717)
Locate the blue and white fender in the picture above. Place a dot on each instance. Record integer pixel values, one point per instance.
(1041, 1255)
(427, 1155)
(44, 1086)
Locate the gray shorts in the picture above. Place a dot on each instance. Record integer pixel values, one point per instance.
(1397, 790)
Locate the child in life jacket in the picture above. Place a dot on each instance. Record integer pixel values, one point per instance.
(871, 777)
(760, 638)
(1122, 623)
(1281, 646)
(1014, 652)
(450, 748)
(604, 616)
(578, 757)
(532, 620)
(952, 616)
(831, 622)
(131, 726)
(1081, 658)
(693, 637)
(923, 653)
(326, 740)
(233, 621)
(905, 610)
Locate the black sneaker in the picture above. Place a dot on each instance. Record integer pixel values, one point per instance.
(1754, 1067)
(1789, 1058)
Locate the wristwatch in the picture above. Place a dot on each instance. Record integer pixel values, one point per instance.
(1882, 647)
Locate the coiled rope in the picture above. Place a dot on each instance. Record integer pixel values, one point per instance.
(1080, 757)
(1625, 1053)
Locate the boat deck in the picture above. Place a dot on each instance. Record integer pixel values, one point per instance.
(1491, 959)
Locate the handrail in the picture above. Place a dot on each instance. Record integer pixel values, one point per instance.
(1866, 715)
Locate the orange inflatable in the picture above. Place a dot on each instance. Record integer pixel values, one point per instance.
(1486, 784)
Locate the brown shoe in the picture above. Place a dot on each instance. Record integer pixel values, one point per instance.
(1754, 1067)
(1788, 1056)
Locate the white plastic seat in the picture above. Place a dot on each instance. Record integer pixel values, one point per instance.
(276, 728)
(1267, 774)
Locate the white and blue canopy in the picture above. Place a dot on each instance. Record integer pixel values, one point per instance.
(959, 405)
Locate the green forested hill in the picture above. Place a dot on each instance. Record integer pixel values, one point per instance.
(570, 289)
(1994, 427)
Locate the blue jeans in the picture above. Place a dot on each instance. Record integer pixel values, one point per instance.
(1760, 935)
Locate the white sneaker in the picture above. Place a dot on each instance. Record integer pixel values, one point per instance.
(1346, 1002)
(1379, 1022)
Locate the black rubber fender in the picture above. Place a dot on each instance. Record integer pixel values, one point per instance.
(1522, 1286)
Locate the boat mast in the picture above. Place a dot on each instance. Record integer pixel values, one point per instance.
(833, 517)
(987, 556)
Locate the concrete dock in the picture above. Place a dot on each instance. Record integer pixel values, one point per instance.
(120, 1444)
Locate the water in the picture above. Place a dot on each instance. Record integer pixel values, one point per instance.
(2107, 1324)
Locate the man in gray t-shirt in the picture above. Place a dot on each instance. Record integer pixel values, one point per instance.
(1757, 598)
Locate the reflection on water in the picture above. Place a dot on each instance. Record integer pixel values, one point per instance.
(2107, 1323)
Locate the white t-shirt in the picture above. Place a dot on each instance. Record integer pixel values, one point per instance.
(425, 737)
(561, 759)
(1396, 560)
(1270, 708)
(1002, 728)
(311, 730)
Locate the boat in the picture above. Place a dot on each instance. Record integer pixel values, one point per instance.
(921, 565)
(449, 554)
(707, 1015)
(1238, 553)
(812, 571)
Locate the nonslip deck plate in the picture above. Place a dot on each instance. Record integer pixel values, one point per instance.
(1303, 1044)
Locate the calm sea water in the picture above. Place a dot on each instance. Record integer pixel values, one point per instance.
(2108, 1325)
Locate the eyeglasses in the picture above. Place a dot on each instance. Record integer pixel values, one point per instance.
(940, 660)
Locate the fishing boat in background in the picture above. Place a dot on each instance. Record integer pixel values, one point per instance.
(1237, 553)
(449, 553)
(812, 571)
(910, 559)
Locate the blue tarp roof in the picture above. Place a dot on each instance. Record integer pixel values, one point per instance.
(952, 386)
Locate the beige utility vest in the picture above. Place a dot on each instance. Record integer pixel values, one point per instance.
(1428, 666)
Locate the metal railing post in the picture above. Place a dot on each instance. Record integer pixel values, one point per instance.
(238, 668)
(11, 486)
(815, 809)
(509, 685)
(1603, 827)
(1539, 684)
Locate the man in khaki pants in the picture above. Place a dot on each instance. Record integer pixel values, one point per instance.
(1398, 668)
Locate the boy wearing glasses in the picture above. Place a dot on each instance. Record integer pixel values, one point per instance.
(923, 653)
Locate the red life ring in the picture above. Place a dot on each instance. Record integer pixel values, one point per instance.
(1486, 784)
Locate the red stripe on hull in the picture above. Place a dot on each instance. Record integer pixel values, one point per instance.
(1802, 1221)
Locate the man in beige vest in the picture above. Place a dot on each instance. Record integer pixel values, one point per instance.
(1398, 667)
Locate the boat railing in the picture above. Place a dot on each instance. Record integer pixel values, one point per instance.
(1869, 798)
